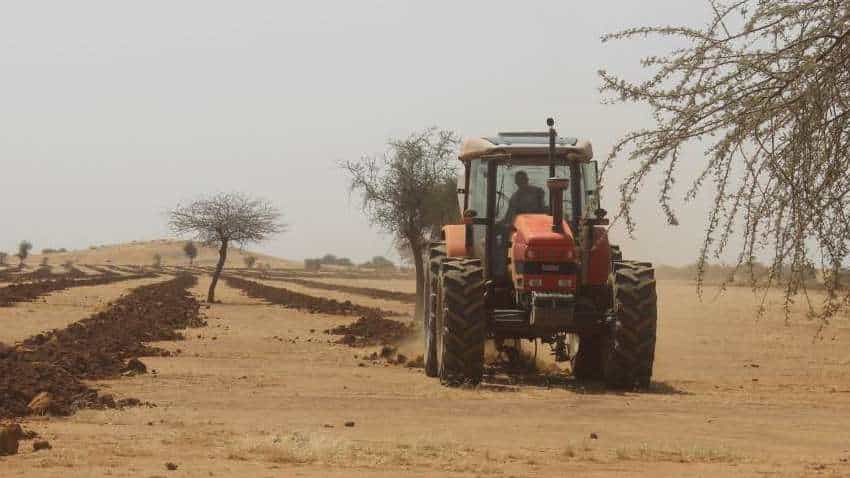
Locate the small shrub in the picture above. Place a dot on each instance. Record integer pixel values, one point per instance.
(379, 263)
(24, 249)
(191, 251)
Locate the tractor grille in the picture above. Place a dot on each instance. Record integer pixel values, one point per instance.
(561, 268)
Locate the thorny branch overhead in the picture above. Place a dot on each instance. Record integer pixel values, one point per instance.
(766, 87)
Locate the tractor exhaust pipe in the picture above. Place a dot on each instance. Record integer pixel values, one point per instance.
(556, 185)
(556, 198)
(553, 135)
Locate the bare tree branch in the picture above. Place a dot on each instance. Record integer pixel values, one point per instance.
(223, 219)
(404, 191)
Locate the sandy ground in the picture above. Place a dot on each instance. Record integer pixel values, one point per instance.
(384, 304)
(395, 285)
(142, 252)
(256, 393)
(59, 309)
(87, 270)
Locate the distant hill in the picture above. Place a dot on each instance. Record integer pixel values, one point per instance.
(142, 253)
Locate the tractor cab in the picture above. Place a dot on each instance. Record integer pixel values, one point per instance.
(506, 190)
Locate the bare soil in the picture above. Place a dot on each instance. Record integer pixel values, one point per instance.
(347, 289)
(262, 391)
(390, 307)
(367, 331)
(30, 291)
(296, 300)
(95, 348)
(59, 309)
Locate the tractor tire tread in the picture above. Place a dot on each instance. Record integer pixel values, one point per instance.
(632, 350)
(465, 326)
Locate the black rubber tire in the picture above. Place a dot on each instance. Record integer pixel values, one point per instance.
(437, 254)
(616, 254)
(588, 363)
(631, 349)
(461, 324)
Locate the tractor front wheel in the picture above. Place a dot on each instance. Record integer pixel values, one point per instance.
(631, 349)
(461, 328)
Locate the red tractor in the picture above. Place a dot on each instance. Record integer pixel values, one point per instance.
(532, 261)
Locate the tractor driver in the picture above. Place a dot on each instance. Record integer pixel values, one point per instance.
(527, 199)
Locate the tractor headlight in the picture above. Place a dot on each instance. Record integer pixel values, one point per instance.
(566, 283)
(535, 282)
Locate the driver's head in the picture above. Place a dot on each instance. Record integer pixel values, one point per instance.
(521, 179)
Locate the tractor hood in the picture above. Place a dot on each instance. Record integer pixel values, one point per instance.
(535, 240)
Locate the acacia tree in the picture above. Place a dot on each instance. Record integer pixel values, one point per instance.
(24, 249)
(765, 88)
(191, 251)
(224, 219)
(249, 261)
(3, 256)
(397, 189)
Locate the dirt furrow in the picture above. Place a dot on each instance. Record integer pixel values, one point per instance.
(364, 291)
(51, 365)
(296, 300)
(30, 291)
(42, 273)
(371, 328)
(329, 274)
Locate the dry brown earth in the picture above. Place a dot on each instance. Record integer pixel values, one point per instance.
(60, 309)
(142, 252)
(261, 392)
(390, 305)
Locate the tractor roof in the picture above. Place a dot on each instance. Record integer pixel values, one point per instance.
(525, 144)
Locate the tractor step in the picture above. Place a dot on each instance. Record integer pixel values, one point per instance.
(550, 310)
(510, 318)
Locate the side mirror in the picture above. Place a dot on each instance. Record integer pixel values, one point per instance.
(590, 178)
(590, 171)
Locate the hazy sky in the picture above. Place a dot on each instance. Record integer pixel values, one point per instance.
(112, 112)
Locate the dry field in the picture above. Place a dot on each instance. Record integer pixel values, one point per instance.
(140, 253)
(263, 391)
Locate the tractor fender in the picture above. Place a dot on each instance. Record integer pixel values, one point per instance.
(600, 257)
(455, 237)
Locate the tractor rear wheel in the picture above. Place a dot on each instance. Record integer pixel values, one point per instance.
(437, 253)
(461, 328)
(631, 348)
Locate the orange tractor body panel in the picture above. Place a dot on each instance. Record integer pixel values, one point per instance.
(541, 259)
(455, 237)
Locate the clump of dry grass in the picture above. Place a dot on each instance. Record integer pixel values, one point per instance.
(582, 450)
(585, 451)
(306, 448)
(691, 454)
(299, 448)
